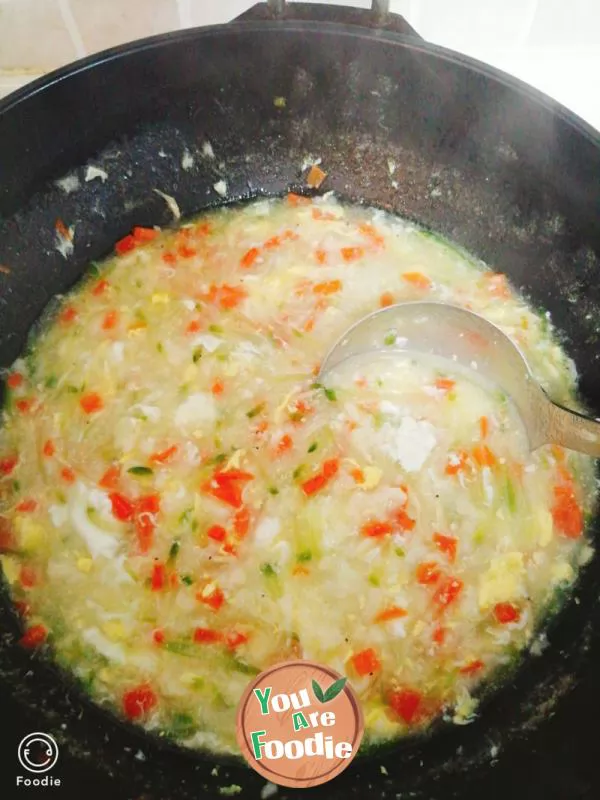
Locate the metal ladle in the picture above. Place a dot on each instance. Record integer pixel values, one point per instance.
(471, 341)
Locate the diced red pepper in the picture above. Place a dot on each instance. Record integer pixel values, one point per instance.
(439, 635)
(185, 251)
(149, 503)
(566, 512)
(144, 528)
(506, 613)
(448, 592)
(91, 402)
(169, 258)
(164, 455)
(159, 577)
(24, 405)
(217, 533)
(376, 528)
(125, 245)
(235, 638)
(214, 600)
(49, 448)
(139, 701)
(366, 662)
(123, 508)
(472, 667)
(328, 471)
(8, 464)
(27, 505)
(100, 288)
(110, 479)
(14, 380)
(67, 474)
(68, 314)
(406, 703)
(446, 544)
(144, 234)
(110, 320)
(428, 573)
(207, 636)
(158, 636)
(227, 486)
(34, 637)
(28, 577)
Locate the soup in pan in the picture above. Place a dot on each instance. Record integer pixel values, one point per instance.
(183, 505)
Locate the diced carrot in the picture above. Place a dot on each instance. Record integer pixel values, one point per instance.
(272, 243)
(320, 256)
(506, 613)
(315, 177)
(566, 512)
(376, 528)
(148, 503)
(386, 299)
(241, 522)
(406, 703)
(327, 287)
(100, 288)
(217, 533)
(439, 635)
(389, 613)
(185, 251)
(110, 320)
(323, 216)
(314, 484)
(366, 662)
(144, 234)
(169, 257)
(285, 443)
(300, 569)
(139, 701)
(14, 380)
(484, 427)
(226, 486)
(62, 230)
(27, 505)
(445, 384)
(67, 475)
(402, 520)
(428, 573)
(49, 449)
(91, 402)
(207, 636)
(214, 600)
(194, 326)
(125, 245)
(484, 456)
(34, 637)
(417, 279)
(457, 462)
(144, 529)
(558, 452)
(249, 257)
(25, 405)
(370, 231)
(350, 254)
(7, 465)
(111, 477)
(158, 578)
(448, 592)
(358, 475)
(217, 387)
(230, 549)
(232, 296)
(331, 467)
(165, 455)
(446, 544)
(497, 284)
(472, 667)
(68, 314)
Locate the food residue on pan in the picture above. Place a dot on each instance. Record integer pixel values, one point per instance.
(183, 505)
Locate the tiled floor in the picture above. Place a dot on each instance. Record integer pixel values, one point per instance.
(552, 44)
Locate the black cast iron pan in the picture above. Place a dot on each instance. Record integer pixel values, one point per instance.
(481, 158)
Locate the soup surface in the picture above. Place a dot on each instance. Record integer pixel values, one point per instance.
(183, 506)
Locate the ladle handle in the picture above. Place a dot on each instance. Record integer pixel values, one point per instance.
(572, 430)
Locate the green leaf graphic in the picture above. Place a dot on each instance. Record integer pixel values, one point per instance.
(318, 691)
(335, 688)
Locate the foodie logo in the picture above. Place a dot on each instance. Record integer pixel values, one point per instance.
(299, 724)
(37, 752)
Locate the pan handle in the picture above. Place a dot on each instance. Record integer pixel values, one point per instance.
(380, 8)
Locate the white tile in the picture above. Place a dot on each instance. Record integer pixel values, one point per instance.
(201, 12)
(558, 23)
(106, 23)
(33, 35)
